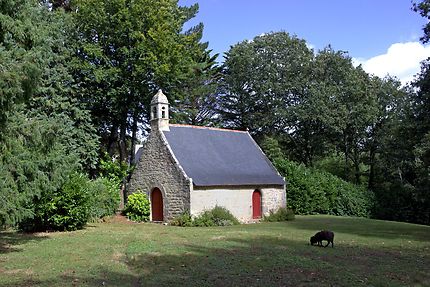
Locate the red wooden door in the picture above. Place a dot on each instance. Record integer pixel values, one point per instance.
(256, 204)
(157, 205)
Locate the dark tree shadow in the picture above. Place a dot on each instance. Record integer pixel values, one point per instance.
(10, 240)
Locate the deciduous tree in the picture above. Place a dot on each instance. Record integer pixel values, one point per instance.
(262, 79)
(127, 51)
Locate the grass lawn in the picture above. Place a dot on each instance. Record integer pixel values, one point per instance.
(119, 253)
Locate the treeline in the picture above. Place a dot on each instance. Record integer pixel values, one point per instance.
(326, 113)
(77, 78)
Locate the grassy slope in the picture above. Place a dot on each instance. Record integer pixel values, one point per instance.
(367, 252)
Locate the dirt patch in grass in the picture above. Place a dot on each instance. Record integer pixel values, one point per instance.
(118, 257)
(118, 219)
(4, 247)
(27, 272)
(220, 237)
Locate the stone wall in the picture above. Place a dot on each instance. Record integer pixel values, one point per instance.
(238, 200)
(158, 168)
(273, 198)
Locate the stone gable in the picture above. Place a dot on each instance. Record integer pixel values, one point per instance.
(157, 167)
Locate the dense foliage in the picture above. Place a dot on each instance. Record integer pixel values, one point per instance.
(217, 216)
(126, 51)
(314, 192)
(66, 208)
(104, 197)
(137, 207)
(73, 204)
(35, 164)
(282, 214)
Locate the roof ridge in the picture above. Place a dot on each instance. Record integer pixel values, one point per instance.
(207, 128)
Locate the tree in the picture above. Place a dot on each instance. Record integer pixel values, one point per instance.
(197, 96)
(399, 140)
(35, 162)
(57, 96)
(272, 149)
(423, 8)
(346, 105)
(23, 48)
(316, 116)
(314, 104)
(46, 135)
(127, 51)
(421, 149)
(262, 79)
(391, 99)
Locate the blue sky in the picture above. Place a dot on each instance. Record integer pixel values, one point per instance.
(382, 35)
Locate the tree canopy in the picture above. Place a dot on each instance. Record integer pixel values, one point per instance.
(126, 51)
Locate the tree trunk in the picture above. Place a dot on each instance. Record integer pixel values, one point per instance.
(372, 155)
(356, 160)
(346, 169)
(133, 137)
(112, 140)
(122, 141)
(357, 171)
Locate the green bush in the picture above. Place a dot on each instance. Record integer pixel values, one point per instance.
(310, 191)
(222, 217)
(217, 216)
(65, 209)
(184, 220)
(69, 208)
(282, 214)
(113, 169)
(104, 197)
(137, 207)
(203, 220)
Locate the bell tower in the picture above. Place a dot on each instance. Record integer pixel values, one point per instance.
(159, 112)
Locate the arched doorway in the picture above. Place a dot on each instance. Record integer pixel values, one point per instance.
(256, 204)
(157, 205)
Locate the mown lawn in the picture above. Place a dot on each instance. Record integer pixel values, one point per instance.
(117, 253)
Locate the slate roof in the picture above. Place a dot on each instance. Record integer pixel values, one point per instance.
(138, 155)
(216, 157)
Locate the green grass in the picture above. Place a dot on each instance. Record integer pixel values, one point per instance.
(366, 253)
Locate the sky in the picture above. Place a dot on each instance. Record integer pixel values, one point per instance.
(381, 35)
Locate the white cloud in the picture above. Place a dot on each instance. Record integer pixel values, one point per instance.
(401, 60)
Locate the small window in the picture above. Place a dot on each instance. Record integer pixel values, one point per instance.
(154, 112)
(163, 112)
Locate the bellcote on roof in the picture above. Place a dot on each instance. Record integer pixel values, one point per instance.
(159, 98)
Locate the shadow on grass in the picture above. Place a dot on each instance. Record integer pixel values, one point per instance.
(256, 261)
(11, 240)
(363, 227)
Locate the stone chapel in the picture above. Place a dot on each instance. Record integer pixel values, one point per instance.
(193, 168)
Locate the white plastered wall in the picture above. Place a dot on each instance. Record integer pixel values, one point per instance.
(238, 200)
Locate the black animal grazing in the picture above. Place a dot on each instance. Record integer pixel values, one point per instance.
(323, 235)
